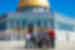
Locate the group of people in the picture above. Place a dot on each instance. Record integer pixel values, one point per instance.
(40, 39)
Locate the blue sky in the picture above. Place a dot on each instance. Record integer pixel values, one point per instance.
(66, 7)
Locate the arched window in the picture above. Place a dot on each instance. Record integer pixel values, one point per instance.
(39, 23)
(18, 24)
(30, 27)
(45, 23)
(24, 23)
(11, 24)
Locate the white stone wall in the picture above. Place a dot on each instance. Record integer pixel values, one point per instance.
(63, 35)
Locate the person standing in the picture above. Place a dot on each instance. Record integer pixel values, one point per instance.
(29, 36)
(43, 39)
(52, 37)
(28, 40)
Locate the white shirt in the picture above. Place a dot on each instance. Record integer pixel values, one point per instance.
(28, 36)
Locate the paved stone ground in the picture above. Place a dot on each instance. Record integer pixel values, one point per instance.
(20, 46)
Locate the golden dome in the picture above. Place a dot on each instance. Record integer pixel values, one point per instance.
(43, 3)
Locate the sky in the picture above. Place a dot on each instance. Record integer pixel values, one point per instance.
(65, 7)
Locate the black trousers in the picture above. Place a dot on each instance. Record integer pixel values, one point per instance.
(52, 43)
(42, 42)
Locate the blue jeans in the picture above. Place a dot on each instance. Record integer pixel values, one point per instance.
(29, 44)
